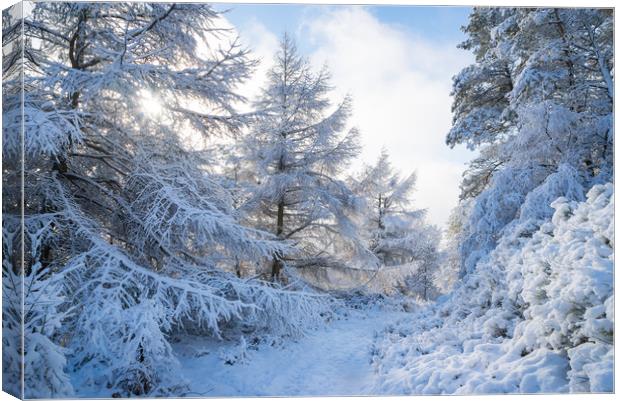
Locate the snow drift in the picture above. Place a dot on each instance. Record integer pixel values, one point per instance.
(535, 316)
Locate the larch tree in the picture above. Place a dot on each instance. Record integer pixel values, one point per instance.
(122, 219)
(298, 146)
(394, 231)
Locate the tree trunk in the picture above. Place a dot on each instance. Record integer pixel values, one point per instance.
(237, 267)
(566, 51)
(425, 283)
(277, 265)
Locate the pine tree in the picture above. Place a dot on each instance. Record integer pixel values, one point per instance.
(538, 102)
(390, 216)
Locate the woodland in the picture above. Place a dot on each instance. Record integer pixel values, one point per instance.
(159, 241)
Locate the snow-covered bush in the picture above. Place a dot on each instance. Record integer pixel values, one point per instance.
(237, 354)
(495, 208)
(535, 316)
(568, 289)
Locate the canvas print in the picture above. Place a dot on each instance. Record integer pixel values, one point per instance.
(237, 200)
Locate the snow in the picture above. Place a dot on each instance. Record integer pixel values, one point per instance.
(535, 316)
(333, 360)
(145, 264)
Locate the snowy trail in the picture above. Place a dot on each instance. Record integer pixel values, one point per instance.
(334, 360)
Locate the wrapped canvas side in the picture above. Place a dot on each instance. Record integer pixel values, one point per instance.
(12, 201)
(33, 357)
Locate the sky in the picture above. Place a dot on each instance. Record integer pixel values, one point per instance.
(397, 62)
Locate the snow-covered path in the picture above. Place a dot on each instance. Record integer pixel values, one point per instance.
(334, 360)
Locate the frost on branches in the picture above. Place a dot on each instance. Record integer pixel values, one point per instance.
(44, 358)
(152, 210)
(536, 317)
(130, 236)
(538, 101)
(298, 147)
(395, 232)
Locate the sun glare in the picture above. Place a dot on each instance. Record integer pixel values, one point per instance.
(151, 104)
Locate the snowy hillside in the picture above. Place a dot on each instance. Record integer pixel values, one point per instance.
(535, 316)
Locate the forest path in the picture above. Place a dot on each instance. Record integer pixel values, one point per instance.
(333, 360)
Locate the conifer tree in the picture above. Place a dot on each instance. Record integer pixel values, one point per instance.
(299, 146)
(122, 217)
(538, 102)
(394, 231)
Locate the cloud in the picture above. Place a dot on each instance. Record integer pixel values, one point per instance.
(400, 83)
(264, 45)
(253, 35)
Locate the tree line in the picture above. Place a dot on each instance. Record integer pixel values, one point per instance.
(129, 234)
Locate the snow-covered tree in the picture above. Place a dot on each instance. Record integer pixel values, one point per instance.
(130, 220)
(450, 266)
(539, 97)
(298, 146)
(32, 315)
(389, 214)
(534, 224)
(394, 231)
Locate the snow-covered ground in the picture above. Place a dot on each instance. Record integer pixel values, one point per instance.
(523, 323)
(536, 316)
(333, 360)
